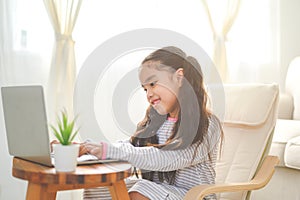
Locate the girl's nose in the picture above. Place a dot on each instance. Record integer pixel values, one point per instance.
(149, 93)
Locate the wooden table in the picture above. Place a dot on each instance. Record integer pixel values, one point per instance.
(44, 182)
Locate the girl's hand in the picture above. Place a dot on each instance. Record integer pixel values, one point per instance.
(51, 144)
(93, 148)
(82, 150)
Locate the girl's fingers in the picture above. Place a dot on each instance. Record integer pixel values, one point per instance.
(82, 150)
(94, 149)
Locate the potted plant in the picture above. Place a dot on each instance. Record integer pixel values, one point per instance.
(66, 152)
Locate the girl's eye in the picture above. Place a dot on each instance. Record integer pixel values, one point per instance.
(152, 84)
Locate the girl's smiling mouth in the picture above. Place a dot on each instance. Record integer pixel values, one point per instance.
(155, 101)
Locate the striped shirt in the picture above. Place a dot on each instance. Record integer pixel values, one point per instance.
(192, 169)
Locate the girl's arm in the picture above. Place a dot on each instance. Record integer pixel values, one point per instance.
(154, 159)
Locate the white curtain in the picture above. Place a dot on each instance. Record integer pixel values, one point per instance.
(63, 15)
(6, 39)
(221, 15)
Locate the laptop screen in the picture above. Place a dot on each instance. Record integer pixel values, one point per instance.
(26, 122)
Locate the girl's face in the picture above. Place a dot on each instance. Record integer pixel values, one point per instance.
(161, 87)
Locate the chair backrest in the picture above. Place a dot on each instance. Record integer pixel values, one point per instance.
(250, 117)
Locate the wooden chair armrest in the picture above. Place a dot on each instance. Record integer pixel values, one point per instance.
(261, 179)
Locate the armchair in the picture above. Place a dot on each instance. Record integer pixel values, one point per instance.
(250, 117)
(286, 141)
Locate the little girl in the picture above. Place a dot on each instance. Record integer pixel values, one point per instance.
(175, 146)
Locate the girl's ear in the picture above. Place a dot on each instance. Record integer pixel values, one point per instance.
(179, 75)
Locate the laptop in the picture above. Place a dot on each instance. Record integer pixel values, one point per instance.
(27, 129)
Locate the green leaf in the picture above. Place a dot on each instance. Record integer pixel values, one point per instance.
(65, 119)
(65, 132)
(57, 135)
(73, 136)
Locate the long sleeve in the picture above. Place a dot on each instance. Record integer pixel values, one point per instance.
(152, 158)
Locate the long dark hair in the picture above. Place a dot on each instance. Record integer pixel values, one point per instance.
(193, 120)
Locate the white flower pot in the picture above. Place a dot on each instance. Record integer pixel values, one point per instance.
(65, 157)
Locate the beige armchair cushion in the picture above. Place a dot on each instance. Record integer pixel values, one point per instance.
(291, 154)
(285, 130)
(248, 125)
